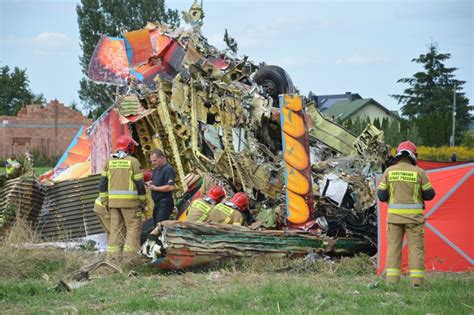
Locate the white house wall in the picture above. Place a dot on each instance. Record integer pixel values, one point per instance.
(372, 111)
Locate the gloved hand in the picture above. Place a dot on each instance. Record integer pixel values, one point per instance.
(105, 202)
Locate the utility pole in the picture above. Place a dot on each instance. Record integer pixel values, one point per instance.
(454, 117)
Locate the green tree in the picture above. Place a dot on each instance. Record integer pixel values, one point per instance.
(15, 91)
(357, 125)
(429, 97)
(39, 99)
(376, 123)
(74, 106)
(468, 139)
(98, 17)
(392, 133)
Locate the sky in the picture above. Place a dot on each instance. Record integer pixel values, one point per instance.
(327, 46)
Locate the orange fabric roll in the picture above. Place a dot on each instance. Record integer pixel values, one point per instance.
(293, 124)
(297, 183)
(295, 154)
(297, 208)
(293, 102)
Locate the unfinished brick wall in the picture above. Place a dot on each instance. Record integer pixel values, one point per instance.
(47, 129)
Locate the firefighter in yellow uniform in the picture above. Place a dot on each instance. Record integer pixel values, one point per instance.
(405, 187)
(122, 190)
(11, 165)
(199, 210)
(229, 212)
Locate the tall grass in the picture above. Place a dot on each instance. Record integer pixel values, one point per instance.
(20, 261)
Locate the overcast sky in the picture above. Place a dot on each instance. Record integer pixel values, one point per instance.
(327, 46)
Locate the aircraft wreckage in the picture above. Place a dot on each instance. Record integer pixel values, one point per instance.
(222, 120)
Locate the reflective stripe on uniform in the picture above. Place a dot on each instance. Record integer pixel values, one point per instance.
(426, 186)
(103, 194)
(383, 186)
(122, 192)
(391, 194)
(122, 197)
(131, 184)
(98, 202)
(104, 174)
(142, 197)
(416, 192)
(202, 218)
(399, 208)
(138, 176)
(113, 249)
(406, 205)
(394, 272)
(417, 273)
(405, 211)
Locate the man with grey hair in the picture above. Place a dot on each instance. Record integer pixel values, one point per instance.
(162, 185)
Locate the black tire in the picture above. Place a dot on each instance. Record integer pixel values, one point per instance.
(275, 81)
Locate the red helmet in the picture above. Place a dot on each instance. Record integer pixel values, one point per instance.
(147, 174)
(216, 193)
(126, 143)
(409, 147)
(241, 200)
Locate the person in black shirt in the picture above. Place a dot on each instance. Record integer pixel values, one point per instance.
(454, 158)
(162, 185)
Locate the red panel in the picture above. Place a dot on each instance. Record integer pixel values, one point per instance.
(140, 45)
(109, 62)
(453, 219)
(159, 42)
(428, 165)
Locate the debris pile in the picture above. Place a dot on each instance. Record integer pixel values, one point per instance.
(218, 118)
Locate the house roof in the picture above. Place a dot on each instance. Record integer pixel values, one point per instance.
(344, 109)
(323, 102)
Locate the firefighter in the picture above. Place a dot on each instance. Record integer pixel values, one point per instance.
(229, 212)
(11, 165)
(122, 190)
(405, 187)
(198, 211)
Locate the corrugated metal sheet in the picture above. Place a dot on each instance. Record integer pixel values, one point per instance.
(22, 197)
(68, 210)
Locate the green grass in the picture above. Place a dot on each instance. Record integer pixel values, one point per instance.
(38, 170)
(260, 285)
(41, 170)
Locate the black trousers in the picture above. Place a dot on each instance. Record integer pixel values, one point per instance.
(162, 210)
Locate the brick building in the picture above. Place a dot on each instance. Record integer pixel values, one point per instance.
(47, 129)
